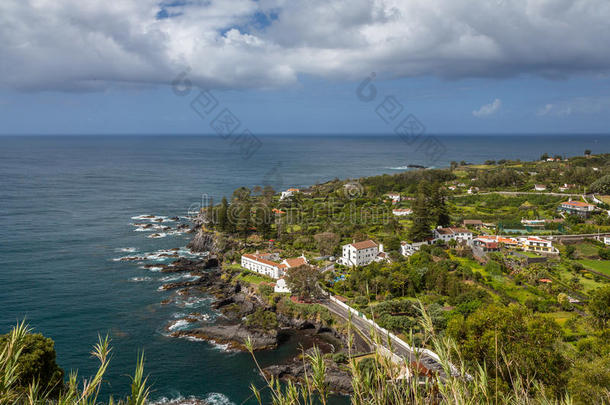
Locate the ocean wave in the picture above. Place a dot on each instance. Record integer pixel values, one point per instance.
(213, 398)
(140, 279)
(154, 268)
(126, 249)
(398, 168)
(179, 324)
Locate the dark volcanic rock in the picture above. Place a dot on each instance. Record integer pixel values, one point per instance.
(203, 242)
(338, 379)
(234, 335)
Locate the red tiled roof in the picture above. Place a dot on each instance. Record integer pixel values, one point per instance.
(296, 262)
(260, 259)
(577, 204)
(366, 244)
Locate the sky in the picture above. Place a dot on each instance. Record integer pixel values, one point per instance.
(304, 66)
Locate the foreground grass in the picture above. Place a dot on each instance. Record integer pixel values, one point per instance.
(385, 382)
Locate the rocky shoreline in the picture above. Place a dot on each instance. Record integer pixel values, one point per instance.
(236, 302)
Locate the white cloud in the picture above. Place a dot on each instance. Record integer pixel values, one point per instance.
(88, 44)
(578, 105)
(488, 109)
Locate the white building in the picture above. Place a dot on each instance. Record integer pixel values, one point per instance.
(458, 234)
(401, 212)
(539, 245)
(267, 263)
(576, 207)
(539, 187)
(472, 190)
(394, 197)
(281, 286)
(606, 240)
(360, 253)
(407, 249)
(289, 193)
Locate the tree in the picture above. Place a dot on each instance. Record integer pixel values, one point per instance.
(303, 281)
(221, 215)
(420, 229)
(438, 206)
(599, 306)
(601, 185)
(327, 242)
(38, 363)
(589, 381)
(526, 342)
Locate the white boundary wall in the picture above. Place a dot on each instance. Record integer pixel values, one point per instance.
(386, 333)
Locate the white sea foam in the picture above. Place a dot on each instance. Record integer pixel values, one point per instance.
(398, 168)
(178, 325)
(140, 279)
(126, 249)
(213, 398)
(157, 235)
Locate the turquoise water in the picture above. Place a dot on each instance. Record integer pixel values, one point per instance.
(66, 208)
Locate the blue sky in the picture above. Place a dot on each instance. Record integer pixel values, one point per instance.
(518, 67)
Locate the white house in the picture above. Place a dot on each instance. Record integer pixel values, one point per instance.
(576, 207)
(459, 234)
(407, 249)
(535, 244)
(606, 240)
(472, 190)
(566, 187)
(401, 212)
(360, 253)
(539, 187)
(394, 197)
(281, 286)
(289, 193)
(267, 263)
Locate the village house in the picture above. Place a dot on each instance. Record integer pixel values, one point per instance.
(500, 241)
(566, 187)
(486, 245)
(475, 223)
(580, 208)
(268, 263)
(394, 197)
(289, 193)
(400, 212)
(360, 253)
(472, 190)
(407, 249)
(538, 245)
(458, 234)
(605, 239)
(539, 187)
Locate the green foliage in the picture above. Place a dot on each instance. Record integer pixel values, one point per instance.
(262, 320)
(37, 362)
(601, 185)
(303, 281)
(530, 343)
(599, 306)
(19, 385)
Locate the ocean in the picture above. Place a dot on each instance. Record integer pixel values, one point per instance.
(67, 205)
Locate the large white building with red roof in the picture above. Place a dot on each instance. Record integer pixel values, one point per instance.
(361, 253)
(269, 265)
(458, 234)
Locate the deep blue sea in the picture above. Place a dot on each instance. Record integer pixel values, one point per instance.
(66, 208)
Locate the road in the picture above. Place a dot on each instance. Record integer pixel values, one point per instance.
(397, 347)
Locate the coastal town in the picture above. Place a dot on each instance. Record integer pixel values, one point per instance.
(528, 240)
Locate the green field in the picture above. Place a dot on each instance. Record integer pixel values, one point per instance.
(603, 266)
